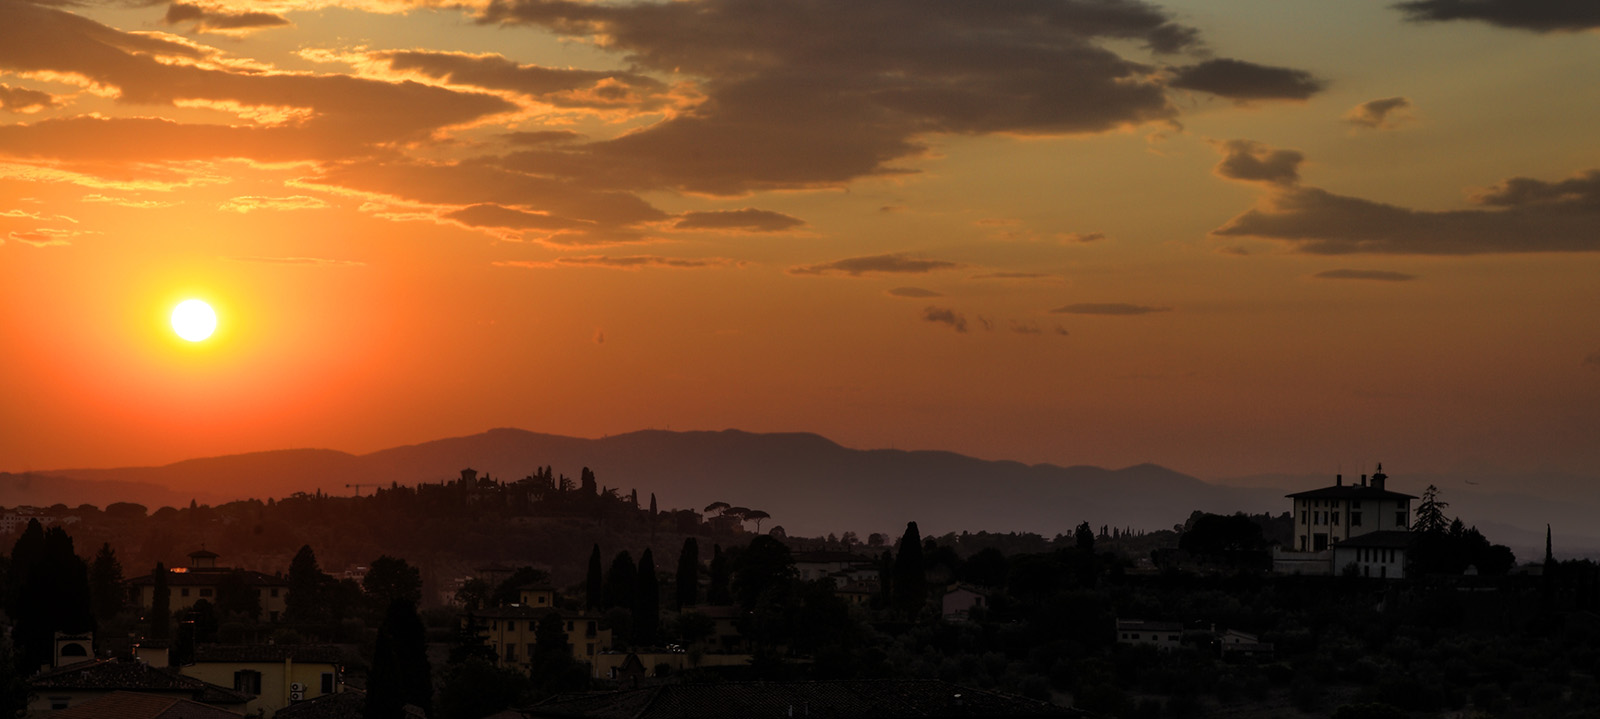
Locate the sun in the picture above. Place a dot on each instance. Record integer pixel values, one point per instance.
(194, 320)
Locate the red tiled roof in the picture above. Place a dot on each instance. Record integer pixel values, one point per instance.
(114, 675)
(301, 654)
(133, 705)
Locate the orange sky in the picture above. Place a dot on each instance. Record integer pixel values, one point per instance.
(1228, 237)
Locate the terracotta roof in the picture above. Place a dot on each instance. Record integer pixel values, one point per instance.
(833, 699)
(348, 704)
(1387, 539)
(209, 577)
(1349, 491)
(203, 554)
(113, 675)
(304, 654)
(133, 705)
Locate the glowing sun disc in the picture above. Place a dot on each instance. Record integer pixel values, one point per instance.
(193, 320)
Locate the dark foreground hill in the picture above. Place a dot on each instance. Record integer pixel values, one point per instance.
(808, 484)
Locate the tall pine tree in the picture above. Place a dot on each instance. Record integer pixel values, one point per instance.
(688, 577)
(910, 580)
(160, 604)
(620, 580)
(646, 601)
(400, 674)
(594, 588)
(105, 584)
(719, 594)
(308, 589)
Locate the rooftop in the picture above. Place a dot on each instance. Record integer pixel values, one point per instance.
(275, 653)
(1350, 491)
(887, 699)
(133, 705)
(1387, 539)
(191, 576)
(339, 705)
(113, 675)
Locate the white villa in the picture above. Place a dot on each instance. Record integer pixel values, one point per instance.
(1326, 519)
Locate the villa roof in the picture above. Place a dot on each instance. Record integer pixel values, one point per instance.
(1387, 539)
(339, 705)
(274, 653)
(1349, 491)
(881, 699)
(113, 675)
(190, 576)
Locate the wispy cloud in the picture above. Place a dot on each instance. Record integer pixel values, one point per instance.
(626, 262)
(253, 203)
(1536, 15)
(896, 263)
(945, 316)
(1379, 275)
(1385, 114)
(745, 220)
(1243, 81)
(1108, 309)
(916, 292)
(1015, 276)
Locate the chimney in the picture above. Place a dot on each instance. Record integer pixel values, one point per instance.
(1379, 477)
(1338, 480)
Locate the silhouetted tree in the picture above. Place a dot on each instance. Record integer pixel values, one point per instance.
(620, 581)
(552, 667)
(687, 585)
(400, 674)
(910, 584)
(392, 578)
(1084, 537)
(475, 687)
(105, 583)
(54, 597)
(235, 595)
(510, 590)
(986, 568)
(307, 588)
(475, 594)
(594, 588)
(13, 687)
(765, 565)
(1430, 512)
(756, 516)
(718, 594)
(646, 602)
(587, 485)
(652, 505)
(160, 604)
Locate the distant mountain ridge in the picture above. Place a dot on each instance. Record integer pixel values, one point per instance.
(810, 485)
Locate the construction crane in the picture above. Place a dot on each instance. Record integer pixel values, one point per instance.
(358, 487)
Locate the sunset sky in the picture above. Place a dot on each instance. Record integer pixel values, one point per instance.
(1225, 236)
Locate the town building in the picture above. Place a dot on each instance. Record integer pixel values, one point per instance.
(511, 632)
(1374, 554)
(84, 681)
(200, 580)
(1161, 635)
(959, 602)
(274, 676)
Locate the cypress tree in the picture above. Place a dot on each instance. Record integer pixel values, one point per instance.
(652, 505)
(620, 580)
(160, 604)
(308, 588)
(646, 601)
(910, 580)
(594, 589)
(718, 593)
(400, 674)
(688, 579)
(105, 584)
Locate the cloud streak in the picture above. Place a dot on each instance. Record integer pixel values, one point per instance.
(1385, 114)
(945, 316)
(1541, 16)
(894, 263)
(1108, 309)
(745, 220)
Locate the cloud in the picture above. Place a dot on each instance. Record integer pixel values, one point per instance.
(1254, 162)
(562, 87)
(23, 100)
(129, 202)
(542, 137)
(808, 93)
(1081, 237)
(1535, 15)
(745, 220)
(213, 19)
(45, 237)
(893, 263)
(1108, 309)
(1385, 114)
(946, 316)
(1378, 275)
(1245, 81)
(1062, 331)
(1013, 276)
(308, 261)
(246, 204)
(917, 292)
(1518, 215)
(491, 215)
(627, 262)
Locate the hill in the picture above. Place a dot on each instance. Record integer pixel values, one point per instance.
(809, 484)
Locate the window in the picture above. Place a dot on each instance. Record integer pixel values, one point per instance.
(274, 592)
(511, 625)
(531, 647)
(1355, 518)
(1335, 518)
(590, 648)
(327, 682)
(272, 616)
(183, 592)
(511, 652)
(247, 681)
(1400, 519)
(1302, 516)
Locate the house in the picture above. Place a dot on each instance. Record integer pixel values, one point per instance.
(74, 684)
(1234, 643)
(1161, 635)
(273, 675)
(1328, 517)
(511, 632)
(858, 593)
(844, 699)
(190, 584)
(133, 705)
(960, 600)
(1375, 554)
(811, 566)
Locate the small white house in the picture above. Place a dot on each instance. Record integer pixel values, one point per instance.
(1161, 635)
(1375, 554)
(959, 602)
